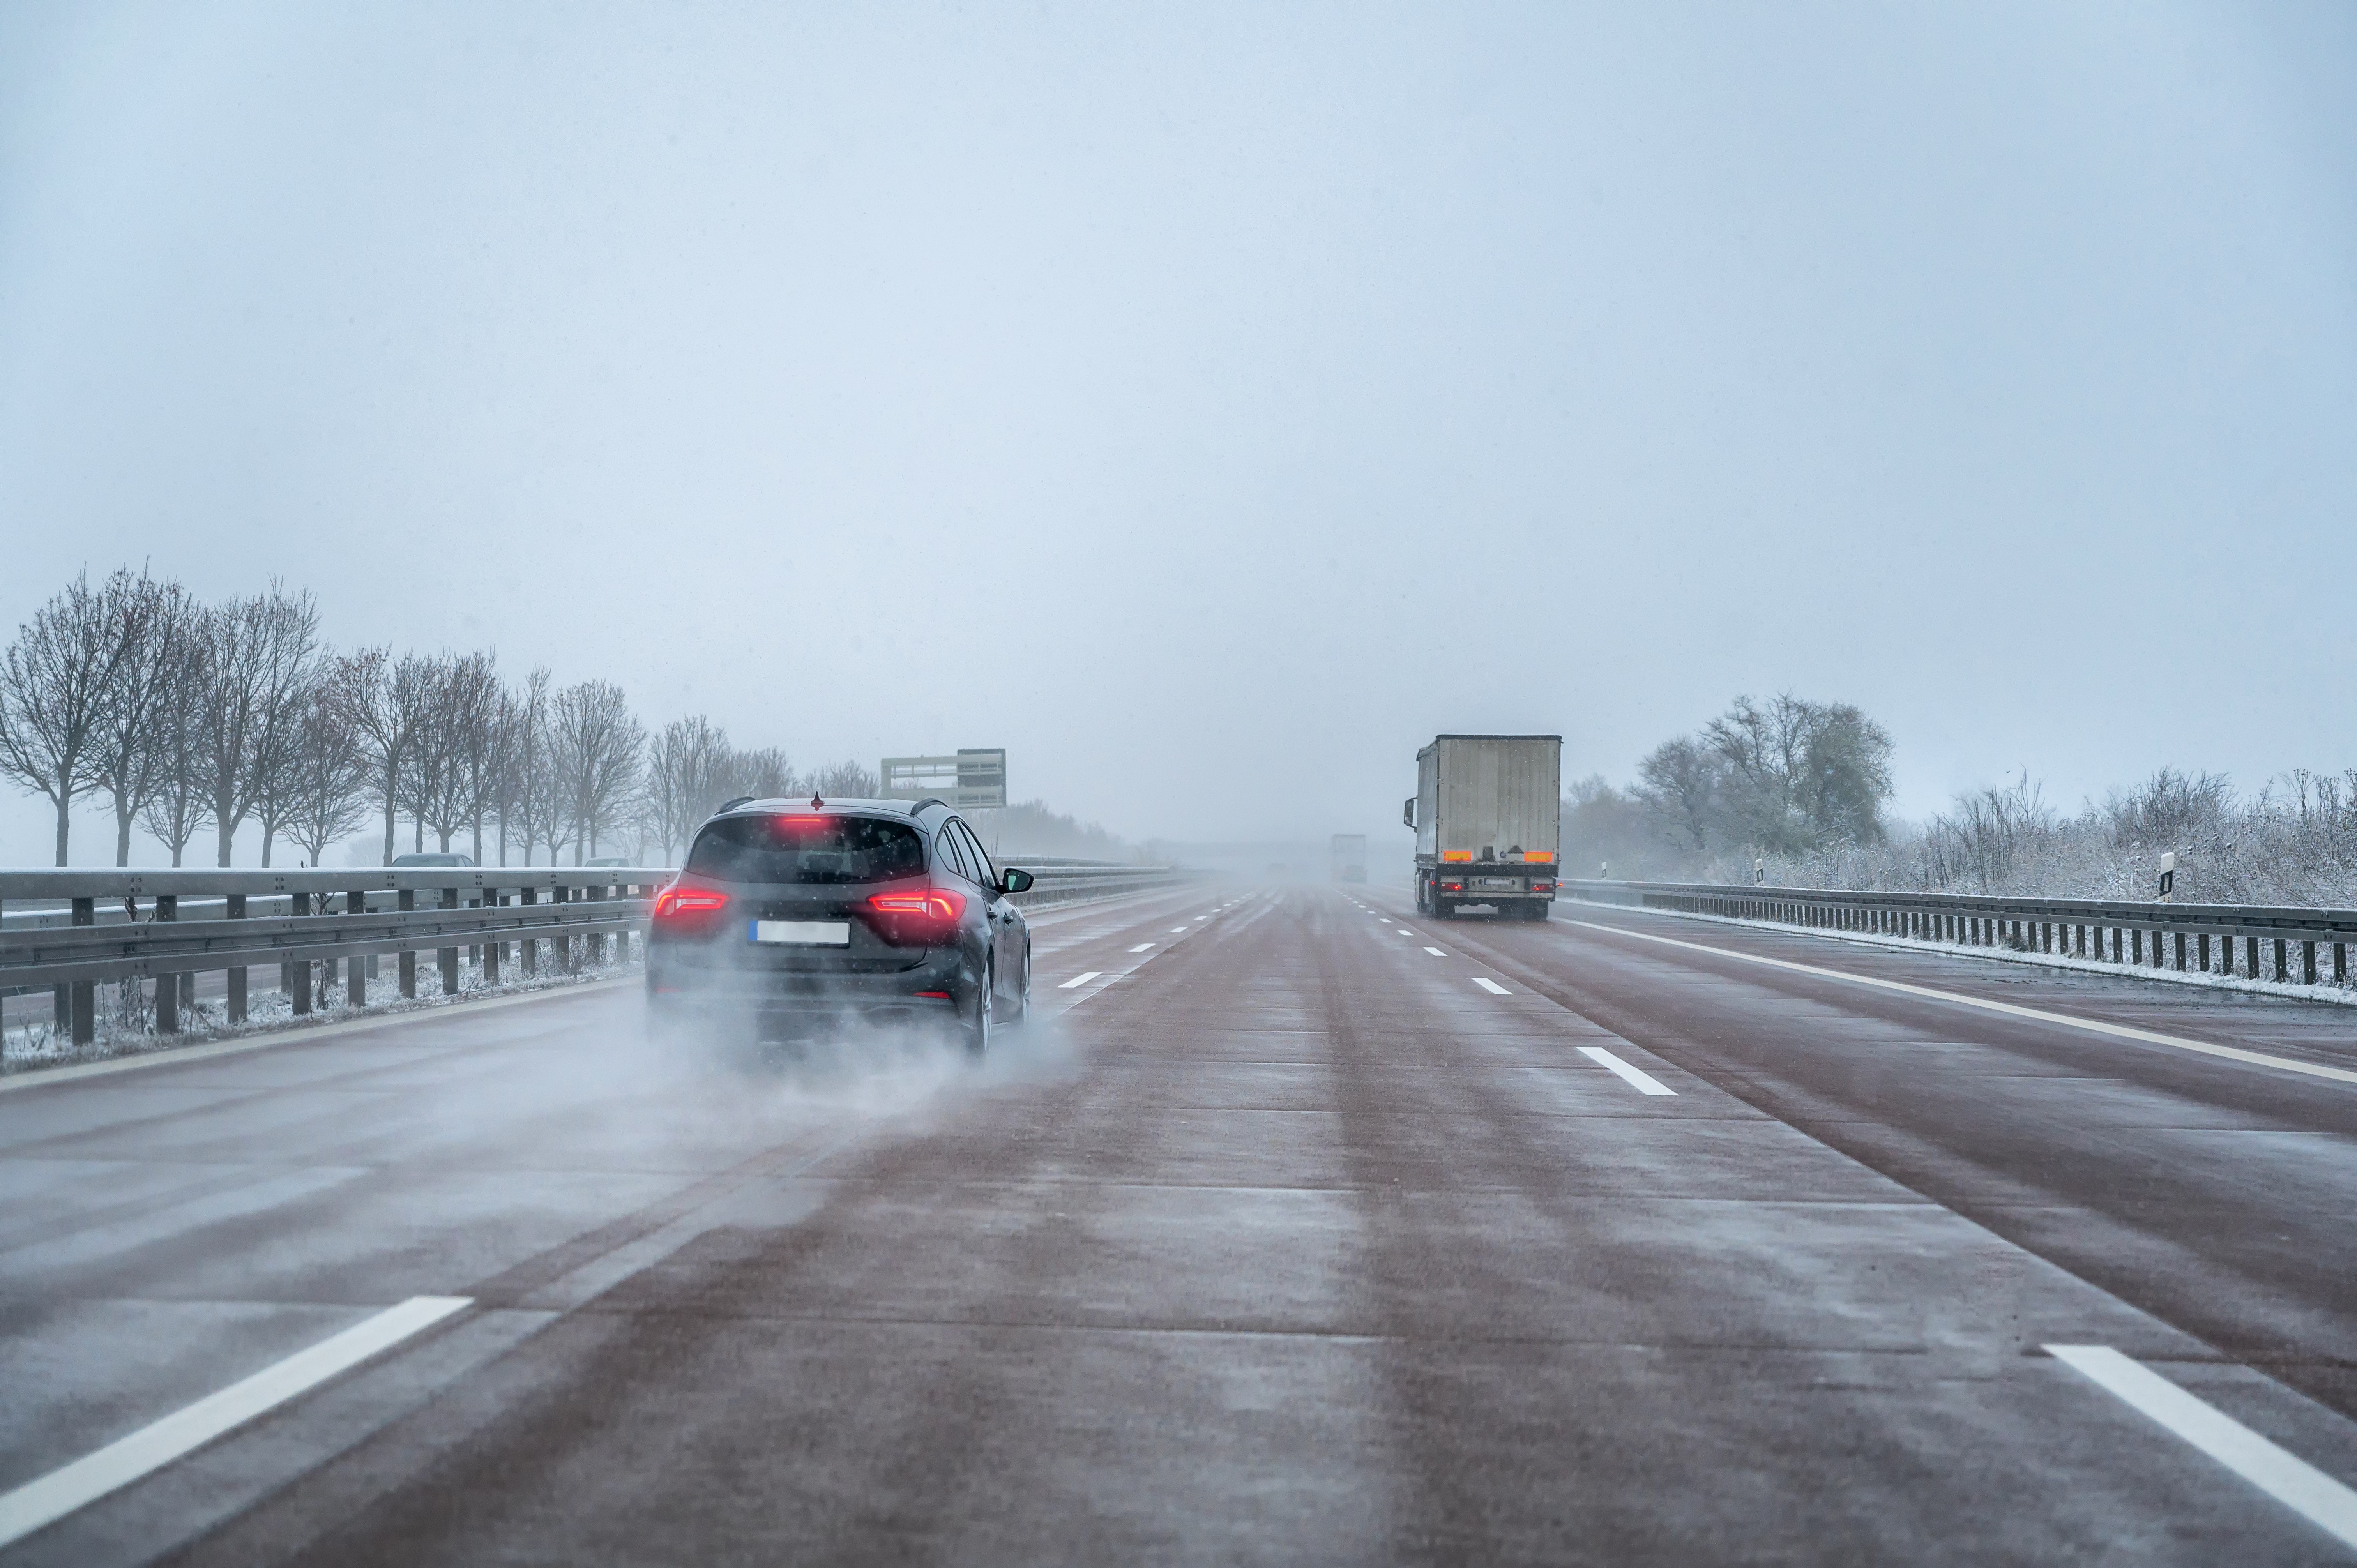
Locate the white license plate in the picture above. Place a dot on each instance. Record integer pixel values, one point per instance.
(804, 933)
(1508, 884)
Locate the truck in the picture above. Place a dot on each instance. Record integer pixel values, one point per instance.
(1350, 857)
(1488, 817)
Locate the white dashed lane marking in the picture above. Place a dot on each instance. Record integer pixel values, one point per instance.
(2283, 1475)
(1436, 952)
(1490, 986)
(1141, 947)
(1646, 1082)
(1080, 980)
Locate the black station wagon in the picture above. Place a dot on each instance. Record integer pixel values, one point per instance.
(791, 914)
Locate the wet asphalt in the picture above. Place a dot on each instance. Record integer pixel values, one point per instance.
(1283, 1239)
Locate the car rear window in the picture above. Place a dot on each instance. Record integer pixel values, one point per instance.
(807, 849)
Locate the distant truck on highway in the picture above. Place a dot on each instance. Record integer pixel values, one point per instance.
(1350, 857)
(1488, 817)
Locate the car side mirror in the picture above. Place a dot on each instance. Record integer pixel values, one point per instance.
(1014, 880)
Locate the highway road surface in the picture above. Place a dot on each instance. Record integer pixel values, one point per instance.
(1295, 1228)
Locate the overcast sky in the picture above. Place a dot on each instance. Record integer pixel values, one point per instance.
(1211, 404)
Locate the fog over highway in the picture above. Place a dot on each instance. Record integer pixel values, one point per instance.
(1326, 377)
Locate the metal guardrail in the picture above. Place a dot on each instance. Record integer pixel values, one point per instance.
(2069, 926)
(113, 925)
(328, 916)
(1071, 882)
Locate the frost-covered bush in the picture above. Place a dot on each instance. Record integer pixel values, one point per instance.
(2293, 842)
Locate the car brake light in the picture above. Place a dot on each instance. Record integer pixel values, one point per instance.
(680, 903)
(936, 995)
(943, 904)
(917, 917)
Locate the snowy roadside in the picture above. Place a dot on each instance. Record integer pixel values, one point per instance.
(126, 1017)
(126, 1028)
(2324, 990)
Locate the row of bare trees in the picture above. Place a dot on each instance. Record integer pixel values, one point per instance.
(190, 717)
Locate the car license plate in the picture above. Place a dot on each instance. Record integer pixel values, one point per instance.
(1505, 884)
(803, 933)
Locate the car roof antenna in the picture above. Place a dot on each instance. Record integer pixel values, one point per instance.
(816, 804)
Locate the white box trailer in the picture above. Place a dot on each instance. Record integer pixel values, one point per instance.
(1487, 816)
(1350, 857)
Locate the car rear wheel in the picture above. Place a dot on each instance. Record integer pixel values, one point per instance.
(1022, 1012)
(977, 1028)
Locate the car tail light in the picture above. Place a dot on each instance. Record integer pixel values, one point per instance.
(1452, 887)
(917, 917)
(689, 903)
(688, 911)
(1541, 886)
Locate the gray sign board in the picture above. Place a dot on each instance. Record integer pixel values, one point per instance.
(974, 776)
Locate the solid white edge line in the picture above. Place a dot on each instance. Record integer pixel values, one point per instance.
(2283, 1475)
(1645, 1082)
(153, 1446)
(1491, 985)
(2094, 1025)
(1080, 980)
(1436, 952)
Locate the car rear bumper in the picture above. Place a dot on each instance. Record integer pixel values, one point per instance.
(677, 987)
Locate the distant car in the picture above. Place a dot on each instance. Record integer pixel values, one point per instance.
(431, 858)
(793, 913)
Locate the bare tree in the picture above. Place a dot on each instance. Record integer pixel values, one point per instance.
(849, 781)
(282, 781)
(261, 653)
(511, 718)
(764, 774)
(176, 811)
(332, 776)
(475, 699)
(526, 782)
(1678, 782)
(134, 755)
(449, 754)
(57, 681)
(1799, 775)
(598, 747)
(385, 699)
(687, 774)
